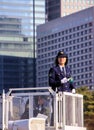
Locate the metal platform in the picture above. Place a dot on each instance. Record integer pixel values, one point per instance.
(61, 111)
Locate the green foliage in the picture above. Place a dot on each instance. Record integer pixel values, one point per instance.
(88, 99)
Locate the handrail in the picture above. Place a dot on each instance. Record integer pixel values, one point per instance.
(26, 89)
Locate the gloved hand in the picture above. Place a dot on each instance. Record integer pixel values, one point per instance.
(64, 80)
(70, 79)
(73, 91)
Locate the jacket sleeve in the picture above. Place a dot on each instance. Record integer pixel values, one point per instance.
(53, 80)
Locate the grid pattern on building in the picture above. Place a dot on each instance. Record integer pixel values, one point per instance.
(15, 72)
(27, 11)
(20, 19)
(11, 39)
(53, 9)
(76, 40)
(60, 8)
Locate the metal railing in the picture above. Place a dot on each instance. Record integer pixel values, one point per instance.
(61, 109)
(69, 108)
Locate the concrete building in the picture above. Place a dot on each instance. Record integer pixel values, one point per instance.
(60, 8)
(74, 34)
(18, 22)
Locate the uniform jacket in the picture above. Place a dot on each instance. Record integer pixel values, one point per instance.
(55, 76)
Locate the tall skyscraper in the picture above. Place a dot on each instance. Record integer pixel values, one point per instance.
(18, 22)
(60, 8)
(73, 34)
(53, 9)
(24, 16)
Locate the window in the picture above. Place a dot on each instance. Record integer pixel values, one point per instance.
(25, 39)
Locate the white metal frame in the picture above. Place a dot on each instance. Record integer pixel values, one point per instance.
(60, 109)
(59, 106)
(6, 97)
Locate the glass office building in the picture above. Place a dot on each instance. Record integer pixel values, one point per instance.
(53, 8)
(18, 22)
(15, 72)
(30, 13)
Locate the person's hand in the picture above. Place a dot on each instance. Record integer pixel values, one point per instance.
(64, 80)
(73, 91)
(70, 79)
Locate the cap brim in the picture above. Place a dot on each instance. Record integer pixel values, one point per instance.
(62, 56)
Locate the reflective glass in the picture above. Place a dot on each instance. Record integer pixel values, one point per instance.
(24, 11)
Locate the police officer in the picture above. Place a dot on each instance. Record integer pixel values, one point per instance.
(60, 76)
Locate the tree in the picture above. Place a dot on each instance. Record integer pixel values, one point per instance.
(88, 100)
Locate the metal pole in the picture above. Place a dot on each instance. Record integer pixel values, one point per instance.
(73, 110)
(82, 123)
(60, 110)
(3, 110)
(6, 112)
(56, 111)
(64, 110)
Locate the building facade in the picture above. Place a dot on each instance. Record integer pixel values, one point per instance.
(18, 22)
(60, 8)
(53, 9)
(73, 34)
(15, 72)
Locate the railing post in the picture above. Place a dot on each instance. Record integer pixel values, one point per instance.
(64, 111)
(3, 110)
(60, 110)
(56, 111)
(82, 112)
(73, 110)
(7, 112)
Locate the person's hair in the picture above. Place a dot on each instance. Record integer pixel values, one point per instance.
(56, 60)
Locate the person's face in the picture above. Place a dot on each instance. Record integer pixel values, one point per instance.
(62, 61)
(40, 101)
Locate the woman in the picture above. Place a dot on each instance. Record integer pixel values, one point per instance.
(60, 76)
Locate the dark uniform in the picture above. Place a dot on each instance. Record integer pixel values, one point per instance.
(56, 75)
